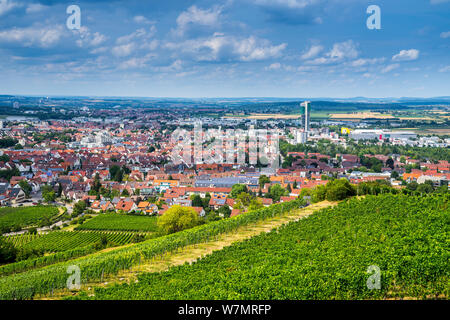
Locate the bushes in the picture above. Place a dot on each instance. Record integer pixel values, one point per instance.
(7, 251)
(339, 190)
(334, 190)
(178, 218)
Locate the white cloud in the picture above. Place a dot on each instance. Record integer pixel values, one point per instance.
(142, 20)
(274, 66)
(141, 39)
(312, 52)
(173, 67)
(306, 68)
(139, 34)
(136, 62)
(228, 48)
(363, 62)
(89, 39)
(445, 35)
(445, 69)
(7, 5)
(406, 55)
(43, 37)
(390, 67)
(279, 66)
(341, 51)
(123, 50)
(35, 7)
(194, 15)
(293, 4)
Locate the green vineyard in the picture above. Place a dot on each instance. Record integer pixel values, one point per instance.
(25, 216)
(22, 239)
(325, 256)
(67, 240)
(43, 280)
(119, 222)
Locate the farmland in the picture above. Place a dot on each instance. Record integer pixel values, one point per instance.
(119, 222)
(26, 285)
(325, 256)
(25, 216)
(67, 240)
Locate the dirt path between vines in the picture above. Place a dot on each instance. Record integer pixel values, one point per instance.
(191, 253)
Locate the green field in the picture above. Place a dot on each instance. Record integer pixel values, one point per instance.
(120, 222)
(66, 240)
(21, 239)
(324, 256)
(25, 216)
(42, 280)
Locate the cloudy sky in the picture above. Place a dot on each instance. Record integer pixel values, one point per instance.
(231, 48)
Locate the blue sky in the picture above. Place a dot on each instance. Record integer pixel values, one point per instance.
(231, 48)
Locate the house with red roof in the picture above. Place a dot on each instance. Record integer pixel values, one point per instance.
(126, 206)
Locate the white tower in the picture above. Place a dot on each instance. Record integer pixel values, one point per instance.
(306, 115)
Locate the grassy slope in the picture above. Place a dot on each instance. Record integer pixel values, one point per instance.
(117, 222)
(191, 253)
(323, 257)
(24, 216)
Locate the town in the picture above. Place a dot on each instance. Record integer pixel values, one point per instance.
(121, 163)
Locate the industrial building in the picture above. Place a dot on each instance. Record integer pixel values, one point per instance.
(366, 134)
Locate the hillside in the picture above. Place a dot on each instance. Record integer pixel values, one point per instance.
(325, 256)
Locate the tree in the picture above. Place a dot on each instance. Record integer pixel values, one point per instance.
(205, 201)
(116, 173)
(225, 211)
(178, 218)
(390, 163)
(60, 190)
(196, 200)
(79, 208)
(255, 204)
(412, 186)
(263, 179)
(394, 175)
(125, 193)
(8, 142)
(237, 189)
(276, 192)
(96, 184)
(425, 188)
(339, 190)
(7, 251)
(9, 173)
(318, 194)
(48, 194)
(25, 187)
(243, 200)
